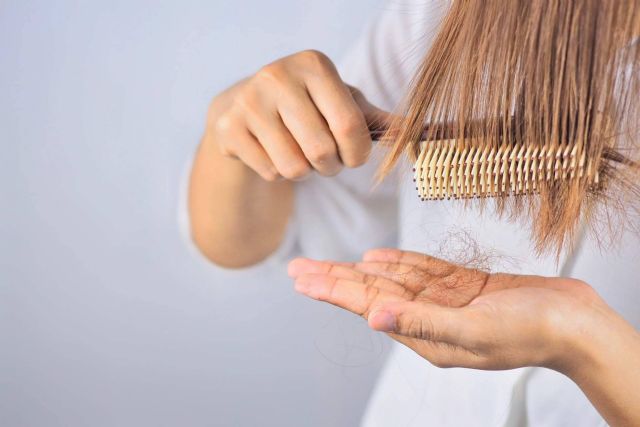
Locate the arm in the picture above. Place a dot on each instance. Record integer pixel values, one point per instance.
(293, 117)
(454, 316)
(237, 217)
(608, 371)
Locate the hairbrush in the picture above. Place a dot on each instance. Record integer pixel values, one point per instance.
(450, 168)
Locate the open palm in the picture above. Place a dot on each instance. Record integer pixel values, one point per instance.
(452, 315)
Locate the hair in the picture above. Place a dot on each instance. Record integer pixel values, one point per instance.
(536, 73)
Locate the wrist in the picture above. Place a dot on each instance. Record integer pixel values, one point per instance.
(606, 369)
(584, 352)
(598, 332)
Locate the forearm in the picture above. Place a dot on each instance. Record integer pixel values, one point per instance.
(608, 370)
(237, 218)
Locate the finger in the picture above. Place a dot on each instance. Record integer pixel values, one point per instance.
(343, 115)
(408, 276)
(347, 294)
(279, 144)
(397, 256)
(457, 326)
(429, 264)
(310, 130)
(299, 266)
(246, 147)
(346, 271)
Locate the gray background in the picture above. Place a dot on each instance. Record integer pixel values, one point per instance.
(107, 318)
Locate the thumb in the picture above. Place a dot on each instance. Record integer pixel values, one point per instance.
(426, 321)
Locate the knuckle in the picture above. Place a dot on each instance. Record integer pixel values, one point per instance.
(355, 160)
(249, 100)
(426, 329)
(315, 59)
(420, 328)
(411, 327)
(295, 170)
(353, 131)
(320, 153)
(275, 72)
(223, 123)
(583, 287)
(270, 176)
(352, 125)
(330, 172)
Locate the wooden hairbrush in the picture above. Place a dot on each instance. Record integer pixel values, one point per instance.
(447, 168)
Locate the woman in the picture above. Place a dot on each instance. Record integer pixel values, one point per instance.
(297, 118)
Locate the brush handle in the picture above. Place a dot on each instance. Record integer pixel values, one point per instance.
(446, 131)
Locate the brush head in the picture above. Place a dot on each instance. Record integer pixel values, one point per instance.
(452, 169)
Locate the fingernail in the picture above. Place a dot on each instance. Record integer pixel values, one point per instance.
(382, 321)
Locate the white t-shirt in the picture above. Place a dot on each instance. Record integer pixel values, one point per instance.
(341, 217)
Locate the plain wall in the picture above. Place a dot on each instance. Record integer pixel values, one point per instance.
(107, 318)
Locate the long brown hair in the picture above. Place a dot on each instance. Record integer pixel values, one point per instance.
(537, 72)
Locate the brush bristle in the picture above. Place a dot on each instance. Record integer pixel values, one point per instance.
(450, 169)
